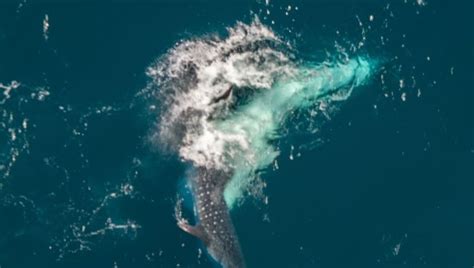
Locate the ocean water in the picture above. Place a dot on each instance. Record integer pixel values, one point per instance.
(369, 163)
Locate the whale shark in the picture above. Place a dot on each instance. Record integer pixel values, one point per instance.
(224, 100)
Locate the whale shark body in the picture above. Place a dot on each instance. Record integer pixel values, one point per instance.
(214, 228)
(223, 102)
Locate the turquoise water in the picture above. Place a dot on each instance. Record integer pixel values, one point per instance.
(262, 117)
(363, 147)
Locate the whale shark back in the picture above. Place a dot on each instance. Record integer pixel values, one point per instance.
(214, 226)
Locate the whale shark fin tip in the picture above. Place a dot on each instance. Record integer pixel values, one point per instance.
(196, 230)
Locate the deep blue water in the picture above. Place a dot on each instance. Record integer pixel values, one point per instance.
(389, 182)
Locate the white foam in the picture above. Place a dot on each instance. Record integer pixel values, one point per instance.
(217, 66)
(46, 27)
(193, 73)
(7, 88)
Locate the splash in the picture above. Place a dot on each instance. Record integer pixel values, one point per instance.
(224, 100)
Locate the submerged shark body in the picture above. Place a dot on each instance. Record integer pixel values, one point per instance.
(214, 227)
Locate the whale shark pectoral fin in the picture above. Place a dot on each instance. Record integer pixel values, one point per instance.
(196, 230)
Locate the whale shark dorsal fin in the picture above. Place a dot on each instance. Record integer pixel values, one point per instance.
(196, 230)
(224, 96)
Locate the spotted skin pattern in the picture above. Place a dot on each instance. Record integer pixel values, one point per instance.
(215, 227)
